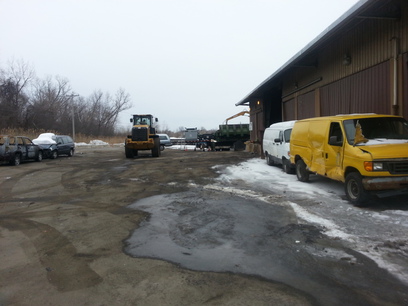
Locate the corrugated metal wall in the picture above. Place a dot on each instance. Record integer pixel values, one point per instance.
(306, 105)
(289, 110)
(370, 44)
(320, 83)
(365, 92)
(404, 98)
(257, 120)
(364, 85)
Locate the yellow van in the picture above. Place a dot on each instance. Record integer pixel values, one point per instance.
(367, 152)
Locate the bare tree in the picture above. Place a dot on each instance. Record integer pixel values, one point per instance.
(13, 96)
(50, 107)
(100, 115)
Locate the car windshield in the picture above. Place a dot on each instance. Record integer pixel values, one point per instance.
(377, 128)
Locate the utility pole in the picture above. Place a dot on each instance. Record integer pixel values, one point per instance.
(73, 114)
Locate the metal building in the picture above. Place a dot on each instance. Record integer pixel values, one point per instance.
(357, 65)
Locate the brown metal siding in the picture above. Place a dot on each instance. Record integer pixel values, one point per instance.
(289, 110)
(306, 105)
(370, 90)
(368, 44)
(404, 107)
(403, 34)
(334, 98)
(365, 92)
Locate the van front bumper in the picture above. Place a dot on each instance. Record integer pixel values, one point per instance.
(385, 183)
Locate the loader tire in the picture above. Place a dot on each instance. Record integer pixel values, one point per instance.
(129, 153)
(156, 150)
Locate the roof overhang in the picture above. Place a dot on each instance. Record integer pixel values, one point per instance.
(363, 9)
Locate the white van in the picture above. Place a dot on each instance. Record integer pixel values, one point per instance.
(276, 145)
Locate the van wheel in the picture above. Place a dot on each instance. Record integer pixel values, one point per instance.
(301, 171)
(354, 189)
(286, 166)
(269, 160)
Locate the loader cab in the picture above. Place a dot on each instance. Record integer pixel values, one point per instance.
(143, 120)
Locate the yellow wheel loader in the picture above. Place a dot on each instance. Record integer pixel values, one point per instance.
(143, 136)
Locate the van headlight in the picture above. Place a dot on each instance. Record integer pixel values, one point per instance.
(373, 166)
(378, 166)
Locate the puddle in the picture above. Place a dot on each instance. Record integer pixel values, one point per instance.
(216, 231)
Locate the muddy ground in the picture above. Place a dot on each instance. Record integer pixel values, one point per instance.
(69, 236)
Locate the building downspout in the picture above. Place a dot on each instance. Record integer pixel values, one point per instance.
(395, 107)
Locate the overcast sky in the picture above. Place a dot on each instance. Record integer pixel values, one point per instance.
(187, 62)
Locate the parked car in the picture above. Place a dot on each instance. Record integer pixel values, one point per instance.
(275, 145)
(16, 149)
(55, 145)
(47, 144)
(164, 141)
(367, 152)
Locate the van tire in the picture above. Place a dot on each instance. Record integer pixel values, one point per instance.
(354, 189)
(269, 160)
(301, 171)
(287, 166)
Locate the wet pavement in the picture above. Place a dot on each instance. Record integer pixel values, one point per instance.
(211, 230)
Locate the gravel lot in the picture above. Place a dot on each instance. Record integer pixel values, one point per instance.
(100, 229)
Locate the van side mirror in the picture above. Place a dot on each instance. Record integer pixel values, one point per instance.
(131, 120)
(277, 140)
(157, 119)
(334, 142)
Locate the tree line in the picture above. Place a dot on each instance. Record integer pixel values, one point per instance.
(50, 104)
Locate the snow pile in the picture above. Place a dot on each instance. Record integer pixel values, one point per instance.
(183, 147)
(375, 234)
(256, 172)
(95, 142)
(98, 143)
(45, 138)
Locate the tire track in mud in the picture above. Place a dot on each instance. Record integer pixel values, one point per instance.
(66, 269)
(11, 179)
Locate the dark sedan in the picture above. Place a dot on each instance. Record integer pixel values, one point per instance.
(15, 149)
(55, 145)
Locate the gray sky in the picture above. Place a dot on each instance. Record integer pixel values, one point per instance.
(187, 62)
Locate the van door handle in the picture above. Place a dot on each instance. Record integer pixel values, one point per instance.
(327, 155)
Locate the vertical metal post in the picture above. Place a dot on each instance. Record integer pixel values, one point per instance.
(73, 122)
(73, 115)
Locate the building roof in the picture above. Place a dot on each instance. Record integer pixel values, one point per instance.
(361, 10)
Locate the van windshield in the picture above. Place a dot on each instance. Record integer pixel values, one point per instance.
(380, 129)
(287, 135)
